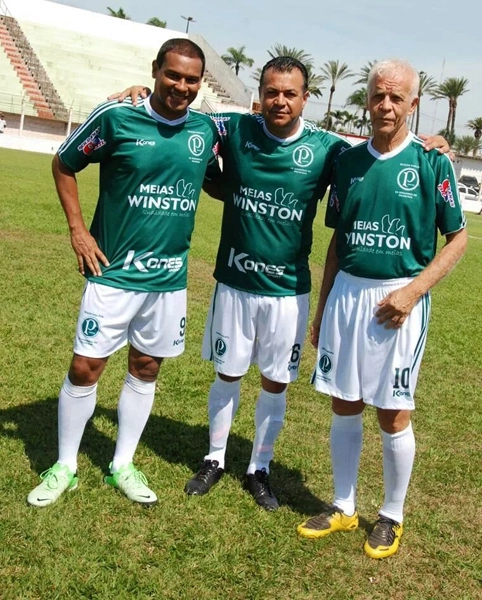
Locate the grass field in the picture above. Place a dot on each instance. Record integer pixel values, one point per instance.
(95, 544)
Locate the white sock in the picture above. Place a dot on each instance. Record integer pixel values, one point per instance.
(76, 406)
(398, 457)
(346, 444)
(133, 410)
(269, 419)
(222, 407)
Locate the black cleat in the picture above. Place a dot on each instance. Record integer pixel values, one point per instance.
(209, 474)
(258, 486)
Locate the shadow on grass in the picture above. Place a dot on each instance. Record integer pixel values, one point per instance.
(35, 424)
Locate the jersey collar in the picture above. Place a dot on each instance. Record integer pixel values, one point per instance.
(151, 112)
(393, 153)
(289, 139)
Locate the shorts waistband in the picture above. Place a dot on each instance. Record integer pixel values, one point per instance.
(367, 282)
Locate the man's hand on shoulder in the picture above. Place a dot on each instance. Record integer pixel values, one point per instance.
(132, 92)
(435, 141)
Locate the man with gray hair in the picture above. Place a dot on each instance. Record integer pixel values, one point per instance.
(388, 199)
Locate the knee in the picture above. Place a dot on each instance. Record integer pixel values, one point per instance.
(393, 421)
(272, 387)
(86, 371)
(144, 367)
(345, 408)
(227, 378)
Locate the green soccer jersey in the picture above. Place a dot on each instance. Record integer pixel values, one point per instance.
(271, 188)
(151, 174)
(386, 208)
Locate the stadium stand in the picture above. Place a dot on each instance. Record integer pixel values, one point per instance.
(67, 60)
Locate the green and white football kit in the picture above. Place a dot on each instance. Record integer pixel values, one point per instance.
(151, 174)
(271, 189)
(386, 210)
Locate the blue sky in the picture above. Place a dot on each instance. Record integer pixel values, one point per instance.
(441, 37)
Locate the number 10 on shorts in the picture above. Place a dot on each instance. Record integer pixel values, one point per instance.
(402, 378)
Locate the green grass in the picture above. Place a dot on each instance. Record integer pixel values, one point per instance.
(94, 544)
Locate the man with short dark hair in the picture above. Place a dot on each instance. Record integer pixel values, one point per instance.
(387, 201)
(276, 168)
(153, 159)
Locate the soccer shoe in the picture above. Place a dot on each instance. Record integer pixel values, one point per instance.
(383, 541)
(329, 521)
(55, 481)
(209, 474)
(258, 486)
(132, 483)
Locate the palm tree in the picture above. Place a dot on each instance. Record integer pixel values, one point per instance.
(466, 144)
(314, 82)
(282, 50)
(365, 71)
(451, 89)
(334, 72)
(476, 126)
(236, 58)
(156, 22)
(359, 99)
(338, 118)
(120, 14)
(349, 120)
(427, 85)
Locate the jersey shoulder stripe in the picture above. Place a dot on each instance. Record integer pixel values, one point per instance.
(97, 112)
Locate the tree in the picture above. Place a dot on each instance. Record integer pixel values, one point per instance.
(364, 72)
(466, 144)
(476, 126)
(451, 89)
(282, 50)
(156, 22)
(427, 86)
(120, 14)
(334, 72)
(359, 100)
(314, 82)
(236, 58)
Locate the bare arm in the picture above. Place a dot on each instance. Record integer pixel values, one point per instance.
(84, 245)
(396, 306)
(329, 274)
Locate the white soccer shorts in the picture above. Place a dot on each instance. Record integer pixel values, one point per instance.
(244, 329)
(361, 359)
(153, 322)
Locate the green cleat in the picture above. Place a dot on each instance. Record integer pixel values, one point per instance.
(133, 484)
(55, 481)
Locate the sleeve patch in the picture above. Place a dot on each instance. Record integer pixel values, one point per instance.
(445, 190)
(92, 143)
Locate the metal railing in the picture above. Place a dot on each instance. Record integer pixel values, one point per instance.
(225, 77)
(33, 64)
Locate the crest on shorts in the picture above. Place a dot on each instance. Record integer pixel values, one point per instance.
(220, 347)
(90, 327)
(324, 364)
